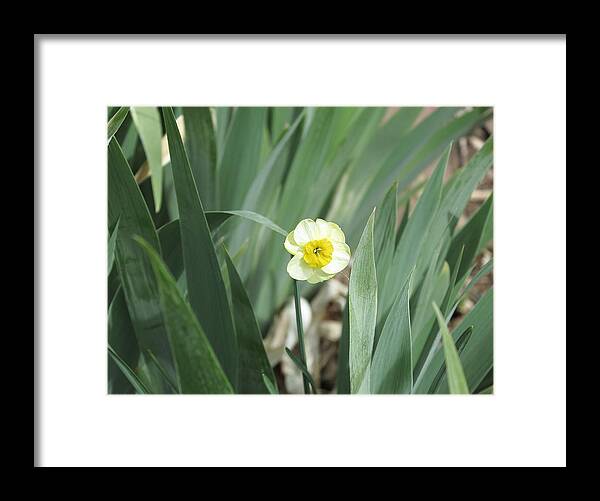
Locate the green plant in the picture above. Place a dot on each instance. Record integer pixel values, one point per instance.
(197, 268)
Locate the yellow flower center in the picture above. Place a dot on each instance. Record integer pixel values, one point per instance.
(317, 253)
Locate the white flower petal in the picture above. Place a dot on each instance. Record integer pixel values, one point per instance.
(335, 233)
(339, 259)
(298, 269)
(305, 231)
(290, 244)
(323, 229)
(319, 275)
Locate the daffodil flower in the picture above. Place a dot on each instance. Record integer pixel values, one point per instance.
(319, 249)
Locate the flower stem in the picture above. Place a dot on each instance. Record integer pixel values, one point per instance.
(300, 335)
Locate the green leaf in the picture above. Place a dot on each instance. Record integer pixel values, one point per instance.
(362, 297)
(270, 175)
(201, 146)
(386, 139)
(241, 156)
(302, 369)
(130, 141)
(253, 361)
(264, 189)
(113, 285)
(147, 123)
(196, 365)
(460, 346)
(392, 362)
(270, 386)
(413, 153)
(478, 355)
(403, 222)
(352, 129)
(116, 121)
(169, 236)
(414, 234)
(385, 233)
(454, 369)
(485, 269)
(136, 382)
(457, 194)
(217, 218)
(206, 289)
(163, 371)
(434, 287)
(121, 336)
(308, 163)
(469, 238)
(126, 204)
(112, 242)
(222, 119)
(343, 374)
(281, 117)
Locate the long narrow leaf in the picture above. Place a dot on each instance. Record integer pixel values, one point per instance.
(206, 289)
(241, 156)
(454, 369)
(217, 218)
(128, 372)
(121, 336)
(269, 385)
(253, 361)
(147, 122)
(116, 121)
(408, 249)
(392, 362)
(469, 238)
(126, 204)
(112, 242)
(197, 368)
(298, 363)
(362, 297)
(202, 150)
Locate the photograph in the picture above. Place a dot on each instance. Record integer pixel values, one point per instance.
(300, 250)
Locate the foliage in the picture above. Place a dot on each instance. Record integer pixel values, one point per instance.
(200, 201)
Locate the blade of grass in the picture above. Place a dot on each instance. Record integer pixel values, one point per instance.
(128, 372)
(362, 297)
(201, 146)
(112, 242)
(409, 247)
(147, 123)
(269, 385)
(454, 369)
(392, 362)
(455, 198)
(485, 269)
(461, 342)
(121, 336)
(253, 362)
(197, 367)
(206, 289)
(126, 204)
(239, 164)
(116, 121)
(217, 218)
(469, 238)
(164, 373)
(478, 355)
(305, 373)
